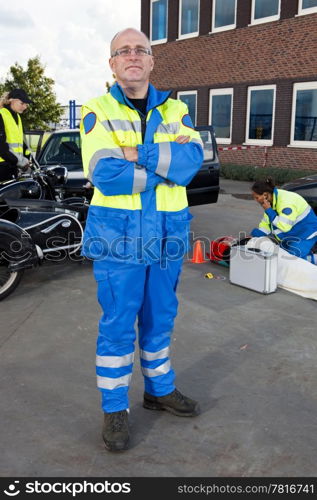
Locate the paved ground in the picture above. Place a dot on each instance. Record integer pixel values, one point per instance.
(250, 360)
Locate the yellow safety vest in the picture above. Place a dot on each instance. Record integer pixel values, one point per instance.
(14, 132)
(139, 211)
(291, 217)
(117, 126)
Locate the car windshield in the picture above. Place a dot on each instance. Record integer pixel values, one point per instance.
(63, 148)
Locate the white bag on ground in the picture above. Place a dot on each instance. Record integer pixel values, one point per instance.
(296, 275)
(293, 274)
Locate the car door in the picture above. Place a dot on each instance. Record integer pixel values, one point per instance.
(204, 187)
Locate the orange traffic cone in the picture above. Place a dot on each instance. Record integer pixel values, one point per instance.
(198, 256)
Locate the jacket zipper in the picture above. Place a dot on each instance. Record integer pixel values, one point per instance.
(143, 126)
(143, 130)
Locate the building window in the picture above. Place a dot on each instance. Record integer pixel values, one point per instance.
(188, 18)
(304, 115)
(190, 98)
(260, 115)
(159, 21)
(224, 15)
(307, 6)
(220, 113)
(264, 11)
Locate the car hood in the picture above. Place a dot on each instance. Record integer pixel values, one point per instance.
(300, 182)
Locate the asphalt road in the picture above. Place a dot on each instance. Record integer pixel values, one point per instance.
(249, 359)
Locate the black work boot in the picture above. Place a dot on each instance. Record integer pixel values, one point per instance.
(115, 430)
(175, 403)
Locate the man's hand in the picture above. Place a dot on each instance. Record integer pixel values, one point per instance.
(182, 139)
(130, 154)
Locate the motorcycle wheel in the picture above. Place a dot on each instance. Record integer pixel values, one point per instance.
(8, 280)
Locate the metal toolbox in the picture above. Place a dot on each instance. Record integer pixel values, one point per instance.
(253, 268)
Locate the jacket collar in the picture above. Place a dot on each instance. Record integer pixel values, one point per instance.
(155, 97)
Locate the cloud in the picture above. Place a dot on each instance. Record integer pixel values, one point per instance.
(108, 20)
(72, 39)
(15, 19)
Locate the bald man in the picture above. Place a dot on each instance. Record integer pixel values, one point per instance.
(140, 151)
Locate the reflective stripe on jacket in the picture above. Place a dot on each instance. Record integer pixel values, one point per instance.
(144, 200)
(14, 132)
(289, 217)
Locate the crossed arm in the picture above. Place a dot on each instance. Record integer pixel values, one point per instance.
(137, 169)
(131, 154)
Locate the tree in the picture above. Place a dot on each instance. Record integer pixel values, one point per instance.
(45, 109)
(109, 85)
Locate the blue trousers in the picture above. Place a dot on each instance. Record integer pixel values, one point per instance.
(127, 292)
(299, 248)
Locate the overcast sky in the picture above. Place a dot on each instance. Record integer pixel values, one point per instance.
(72, 38)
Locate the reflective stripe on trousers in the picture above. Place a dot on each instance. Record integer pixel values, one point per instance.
(125, 292)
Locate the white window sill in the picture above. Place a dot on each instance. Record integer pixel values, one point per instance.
(308, 11)
(189, 35)
(258, 143)
(264, 20)
(303, 146)
(222, 28)
(158, 42)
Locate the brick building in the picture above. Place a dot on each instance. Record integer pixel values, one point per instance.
(249, 67)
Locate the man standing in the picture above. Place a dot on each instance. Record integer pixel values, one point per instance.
(140, 151)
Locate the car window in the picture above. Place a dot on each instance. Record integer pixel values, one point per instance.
(65, 148)
(62, 148)
(208, 144)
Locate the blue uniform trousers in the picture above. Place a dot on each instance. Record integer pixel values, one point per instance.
(299, 248)
(126, 292)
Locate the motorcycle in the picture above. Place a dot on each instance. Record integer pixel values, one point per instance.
(40, 183)
(35, 225)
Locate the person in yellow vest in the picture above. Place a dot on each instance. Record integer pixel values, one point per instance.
(12, 148)
(287, 217)
(139, 150)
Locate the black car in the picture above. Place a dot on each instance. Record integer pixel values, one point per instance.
(306, 187)
(63, 147)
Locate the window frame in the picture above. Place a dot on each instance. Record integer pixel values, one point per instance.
(268, 19)
(226, 27)
(307, 10)
(258, 142)
(187, 92)
(222, 91)
(161, 40)
(300, 86)
(193, 33)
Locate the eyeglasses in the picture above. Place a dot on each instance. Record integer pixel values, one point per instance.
(138, 51)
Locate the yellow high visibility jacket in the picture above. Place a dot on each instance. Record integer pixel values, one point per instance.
(142, 200)
(14, 132)
(289, 217)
